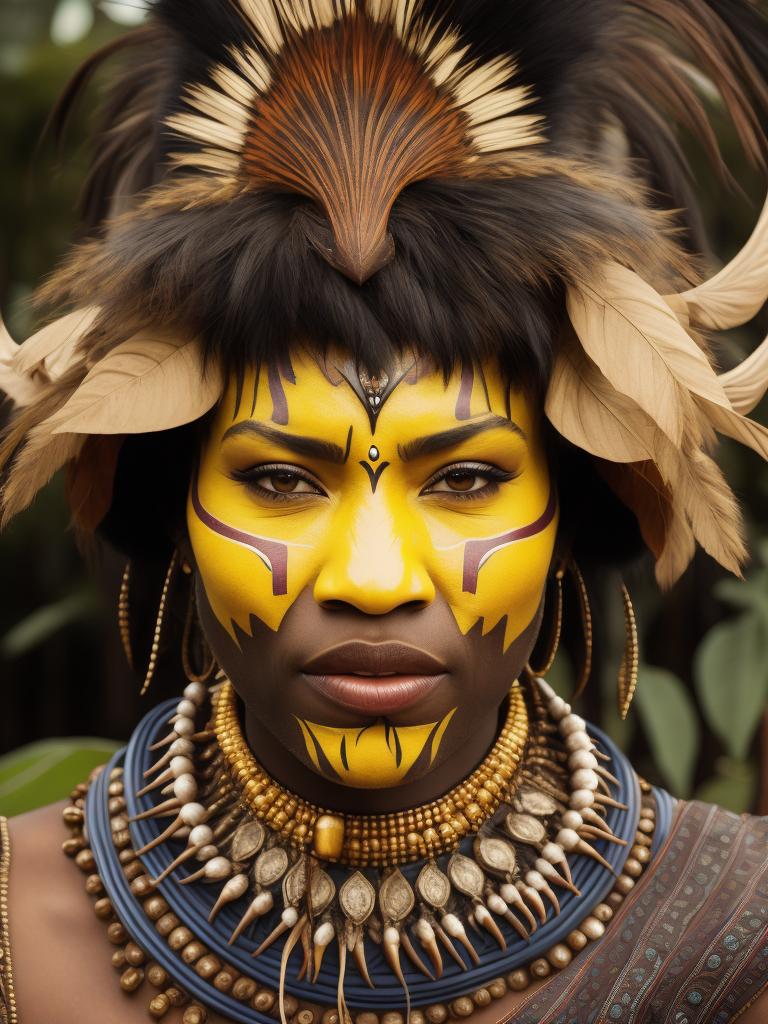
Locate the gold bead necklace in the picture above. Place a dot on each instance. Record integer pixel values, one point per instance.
(373, 840)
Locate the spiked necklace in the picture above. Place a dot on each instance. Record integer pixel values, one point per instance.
(518, 856)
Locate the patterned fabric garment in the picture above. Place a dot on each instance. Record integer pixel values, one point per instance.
(688, 946)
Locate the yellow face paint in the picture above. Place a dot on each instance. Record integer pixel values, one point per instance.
(375, 756)
(375, 495)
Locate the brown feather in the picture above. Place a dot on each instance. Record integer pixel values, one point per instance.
(90, 478)
(640, 487)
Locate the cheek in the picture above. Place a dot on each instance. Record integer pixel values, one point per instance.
(263, 578)
(509, 582)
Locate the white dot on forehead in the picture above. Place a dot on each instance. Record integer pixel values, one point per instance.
(373, 453)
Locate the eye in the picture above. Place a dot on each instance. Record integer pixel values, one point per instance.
(278, 481)
(479, 479)
(460, 480)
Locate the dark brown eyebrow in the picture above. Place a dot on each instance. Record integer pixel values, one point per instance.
(432, 443)
(310, 447)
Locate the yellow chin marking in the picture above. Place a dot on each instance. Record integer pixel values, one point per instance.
(371, 757)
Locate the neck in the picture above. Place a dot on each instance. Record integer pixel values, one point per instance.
(297, 777)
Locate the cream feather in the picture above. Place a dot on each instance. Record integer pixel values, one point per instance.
(746, 383)
(147, 383)
(736, 293)
(679, 549)
(734, 425)
(20, 389)
(639, 345)
(45, 342)
(587, 410)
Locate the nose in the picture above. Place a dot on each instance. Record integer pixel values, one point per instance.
(374, 565)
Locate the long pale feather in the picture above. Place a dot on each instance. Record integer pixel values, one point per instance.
(679, 549)
(734, 425)
(147, 383)
(587, 410)
(736, 293)
(20, 389)
(67, 329)
(637, 342)
(746, 383)
(41, 457)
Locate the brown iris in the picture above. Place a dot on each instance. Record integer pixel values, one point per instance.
(460, 481)
(284, 482)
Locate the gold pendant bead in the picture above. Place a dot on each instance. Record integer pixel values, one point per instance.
(328, 837)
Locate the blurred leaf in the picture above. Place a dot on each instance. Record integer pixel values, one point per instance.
(733, 786)
(46, 621)
(749, 593)
(731, 675)
(40, 773)
(669, 720)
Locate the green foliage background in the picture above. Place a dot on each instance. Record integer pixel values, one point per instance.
(695, 726)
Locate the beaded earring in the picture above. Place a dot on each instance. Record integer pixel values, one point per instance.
(585, 611)
(124, 615)
(555, 626)
(189, 624)
(159, 625)
(629, 657)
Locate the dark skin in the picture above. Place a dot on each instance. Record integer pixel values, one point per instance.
(267, 675)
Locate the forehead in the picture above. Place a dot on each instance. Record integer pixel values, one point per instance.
(308, 393)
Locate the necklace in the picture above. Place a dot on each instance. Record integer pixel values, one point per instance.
(367, 840)
(503, 875)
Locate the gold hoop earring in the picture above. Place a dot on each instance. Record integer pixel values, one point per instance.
(555, 628)
(124, 615)
(188, 670)
(629, 658)
(158, 626)
(586, 624)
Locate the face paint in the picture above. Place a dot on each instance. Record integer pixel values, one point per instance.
(374, 494)
(375, 756)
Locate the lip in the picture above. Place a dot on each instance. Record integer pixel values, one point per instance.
(374, 679)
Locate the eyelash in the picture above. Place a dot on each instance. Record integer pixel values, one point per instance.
(250, 478)
(495, 476)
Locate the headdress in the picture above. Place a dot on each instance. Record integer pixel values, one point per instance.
(480, 178)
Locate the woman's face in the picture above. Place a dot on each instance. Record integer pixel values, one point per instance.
(371, 557)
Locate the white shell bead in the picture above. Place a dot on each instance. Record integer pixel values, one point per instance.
(392, 936)
(571, 819)
(263, 903)
(582, 759)
(186, 708)
(193, 814)
(584, 778)
(535, 879)
(509, 893)
(200, 835)
(558, 708)
(196, 692)
(289, 916)
(218, 868)
(181, 746)
(206, 852)
(185, 727)
(235, 887)
(482, 915)
(551, 851)
(324, 934)
(496, 903)
(578, 741)
(567, 838)
(581, 798)
(452, 925)
(185, 788)
(181, 766)
(571, 724)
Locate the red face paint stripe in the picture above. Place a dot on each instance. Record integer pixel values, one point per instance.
(476, 550)
(273, 550)
(465, 391)
(279, 403)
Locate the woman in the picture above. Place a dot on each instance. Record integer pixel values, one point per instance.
(383, 333)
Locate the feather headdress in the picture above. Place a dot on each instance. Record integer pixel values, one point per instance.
(475, 179)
